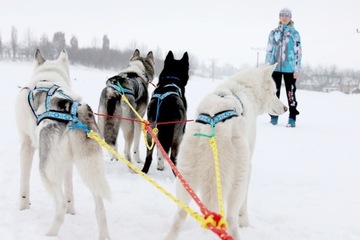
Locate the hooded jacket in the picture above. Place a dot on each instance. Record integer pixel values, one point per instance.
(284, 48)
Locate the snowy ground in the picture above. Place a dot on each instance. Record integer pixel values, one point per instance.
(304, 186)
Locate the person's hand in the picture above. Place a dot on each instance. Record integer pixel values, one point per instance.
(296, 75)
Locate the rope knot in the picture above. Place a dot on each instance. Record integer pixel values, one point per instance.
(214, 219)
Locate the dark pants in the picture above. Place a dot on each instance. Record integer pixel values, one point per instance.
(290, 90)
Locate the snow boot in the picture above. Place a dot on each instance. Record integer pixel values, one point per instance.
(274, 120)
(291, 123)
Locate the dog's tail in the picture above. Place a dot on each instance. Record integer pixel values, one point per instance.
(88, 158)
(91, 168)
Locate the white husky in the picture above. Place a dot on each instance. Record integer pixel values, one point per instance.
(45, 109)
(233, 107)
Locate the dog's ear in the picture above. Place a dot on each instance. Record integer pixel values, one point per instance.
(185, 58)
(272, 67)
(150, 56)
(39, 58)
(136, 54)
(169, 56)
(268, 70)
(63, 56)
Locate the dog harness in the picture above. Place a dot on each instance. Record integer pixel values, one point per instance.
(219, 117)
(122, 90)
(53, 114)
(161, 97)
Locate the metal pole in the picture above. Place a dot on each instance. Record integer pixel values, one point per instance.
(257, 49)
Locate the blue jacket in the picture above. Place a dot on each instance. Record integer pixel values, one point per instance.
(284, 48)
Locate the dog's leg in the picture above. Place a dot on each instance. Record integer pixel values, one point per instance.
(52, 179)
(174, 153)
(69, 194)
(243, 214)
(128, 131)
(149, 153)
(234, 202)
(109, 127)
(101, 218)
(165, 136)
(161, 160)
(52, 170)
(57, 194)
(137, 135)
(26, 159)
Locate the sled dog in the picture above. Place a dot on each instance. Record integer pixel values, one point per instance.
(232, 109)
(133, 81)
(46, 110)
(168, 104)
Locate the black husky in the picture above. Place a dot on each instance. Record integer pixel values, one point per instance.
(168, 104)
(133, 82)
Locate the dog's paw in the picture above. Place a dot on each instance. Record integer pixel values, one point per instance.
(160, 165)
(70, 209)
(244, 221)
(160, 168)
(51, 233)
(24, 203)
(137, 158)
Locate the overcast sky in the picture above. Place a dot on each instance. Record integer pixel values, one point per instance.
(226, 30)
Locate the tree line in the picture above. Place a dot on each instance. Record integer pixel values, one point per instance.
(103, 57)
(319, 78)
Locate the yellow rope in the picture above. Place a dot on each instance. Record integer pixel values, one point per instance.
(143, 123)
(212, 142)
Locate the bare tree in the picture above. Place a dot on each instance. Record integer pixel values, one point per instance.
(14, 43)
(29, 44)
(46, 47)
(94, 42)
(74, 43)
(74, 49)
(59, 42)
(105, 51)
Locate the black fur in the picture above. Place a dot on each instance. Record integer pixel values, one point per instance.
(172, 108)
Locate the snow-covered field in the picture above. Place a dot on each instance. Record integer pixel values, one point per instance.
(304, 184)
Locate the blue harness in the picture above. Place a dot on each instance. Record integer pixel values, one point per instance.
(123, 90)
(53, 114)
(219, 117)
(161, 97)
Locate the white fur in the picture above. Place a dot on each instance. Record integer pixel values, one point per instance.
(68, 147)
(235, 141)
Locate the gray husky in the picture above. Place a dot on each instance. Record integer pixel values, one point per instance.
(133, 82)
(168, 104)
(46, 109)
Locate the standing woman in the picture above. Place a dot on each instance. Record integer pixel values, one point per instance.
(284, 48)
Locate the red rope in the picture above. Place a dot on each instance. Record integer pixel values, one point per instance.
(136, 120)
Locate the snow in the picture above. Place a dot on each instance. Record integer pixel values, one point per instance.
(304, 184)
